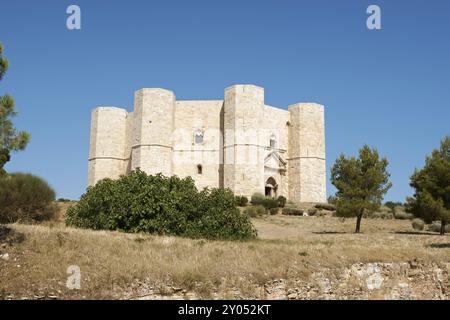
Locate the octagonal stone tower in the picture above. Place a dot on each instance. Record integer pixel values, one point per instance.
(243, 150)
(151, 149)
(307, 172)
(107, 158)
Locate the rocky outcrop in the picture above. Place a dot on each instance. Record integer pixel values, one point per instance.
(392, 281)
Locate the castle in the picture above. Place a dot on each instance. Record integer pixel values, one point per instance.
(238, 142)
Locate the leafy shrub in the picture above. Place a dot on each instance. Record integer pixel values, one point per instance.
(216, 217)
(251, 212)
(255, 211)
(292, 211)
(267, 202)
(270, 203)
(25, 198)
(436, 227)
(161, 205)
(281, 201)
(325, 206)
(261, 210)
(418, 224)
(392, 205)
(381, 215)
(389, 215)
(385, 209)
(312, 211)
(241, 201)
(402, 215)
(273, 211)
(399, 209)
(257, 198)
(320, 213)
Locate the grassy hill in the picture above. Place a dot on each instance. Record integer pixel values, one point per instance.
(293, 257)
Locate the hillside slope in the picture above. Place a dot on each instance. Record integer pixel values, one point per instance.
(293, 258)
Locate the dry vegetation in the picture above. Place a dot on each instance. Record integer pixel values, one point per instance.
(113, 264)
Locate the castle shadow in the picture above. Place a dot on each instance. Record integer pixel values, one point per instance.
(330, 232)
(416, 233)
(439, 245)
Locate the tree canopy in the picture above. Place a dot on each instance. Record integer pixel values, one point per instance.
(360, 182)
(10, 138)
(431, 201)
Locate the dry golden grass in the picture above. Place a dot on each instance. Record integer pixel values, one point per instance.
(288, 247)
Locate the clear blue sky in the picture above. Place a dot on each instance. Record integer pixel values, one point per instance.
(388, 88)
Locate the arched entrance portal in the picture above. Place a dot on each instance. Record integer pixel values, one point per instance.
(271, 188)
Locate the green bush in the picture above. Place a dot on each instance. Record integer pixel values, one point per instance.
(403, 215)
(250, 212)
(393, 205)
(255, 211)
(241, 201)
(320, 213)
(312, 211)
(267, 202)
(160, 205)
(292, 211)
(325, 206)
(270, 203)
(257, 198)
(436, 227)
(273, 211)
(216, 217)
(381, 215)
(418, 224)
(281, 201)
(25, 198)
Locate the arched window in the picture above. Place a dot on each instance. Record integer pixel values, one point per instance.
(199, 169)
(198, 137)
(273, 142)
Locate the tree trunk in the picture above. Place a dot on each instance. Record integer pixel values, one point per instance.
(358, 223)
(443, 223)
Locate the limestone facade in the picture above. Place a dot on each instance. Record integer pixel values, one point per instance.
(238, 142)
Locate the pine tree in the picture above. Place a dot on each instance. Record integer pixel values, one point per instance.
(360, 182)
(431, 201)
(10, 138)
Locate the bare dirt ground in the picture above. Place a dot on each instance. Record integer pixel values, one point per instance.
(293, 258)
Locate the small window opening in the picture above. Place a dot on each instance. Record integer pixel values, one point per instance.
(198, 137)
(199, 169)
(273, 142)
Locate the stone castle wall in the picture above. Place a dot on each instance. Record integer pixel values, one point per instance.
(187, 155)
(159, 136)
